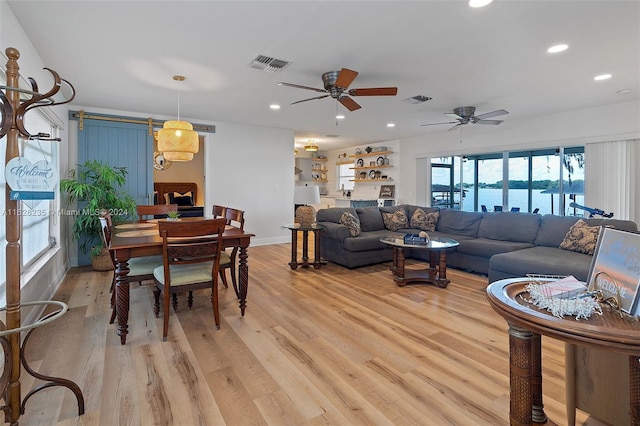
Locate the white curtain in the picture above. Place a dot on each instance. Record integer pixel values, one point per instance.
(612, 175)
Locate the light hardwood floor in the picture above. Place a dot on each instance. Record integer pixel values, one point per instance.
(330, 346)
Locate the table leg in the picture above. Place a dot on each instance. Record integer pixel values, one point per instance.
(520, 354)
(243, 278)
(537, 408)
(634, 390)
(122, 298)
(294, 249)
(317, 262)
(442, 280)
(305, 247)
(399, 255)
(394, 263)
(570, 382)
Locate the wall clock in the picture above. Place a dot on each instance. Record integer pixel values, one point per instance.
(159, 163)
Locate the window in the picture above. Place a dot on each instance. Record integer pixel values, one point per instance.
(346, 175)
(37, 216)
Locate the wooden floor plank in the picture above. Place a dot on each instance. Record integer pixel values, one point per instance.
(316, 347)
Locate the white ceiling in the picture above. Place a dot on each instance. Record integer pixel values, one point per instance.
(122, 55)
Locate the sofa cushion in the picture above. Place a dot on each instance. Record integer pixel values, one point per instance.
(366, 241)
(459, 222)
(333, 214)
(396, 220)
(411, 209)
(581, 238)
(540, 260)
(485, 247)
(370, 219)
(508, 226)
(553, 229)
(351, 222)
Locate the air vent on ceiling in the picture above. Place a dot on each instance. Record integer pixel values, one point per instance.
(269, 64)
(332, 136)
(418, 99)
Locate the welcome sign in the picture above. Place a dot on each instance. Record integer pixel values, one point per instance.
(29, 181)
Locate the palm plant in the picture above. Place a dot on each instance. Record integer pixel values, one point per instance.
(96, 186)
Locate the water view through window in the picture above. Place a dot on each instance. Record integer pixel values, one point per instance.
(532, 181)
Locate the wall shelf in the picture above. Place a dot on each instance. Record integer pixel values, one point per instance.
(370, 180)
(370, 167)
(371, 154)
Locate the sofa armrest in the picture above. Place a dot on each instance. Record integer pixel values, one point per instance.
(335, 231)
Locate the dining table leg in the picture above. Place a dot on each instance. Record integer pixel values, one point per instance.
(243, 277)
(122, 294)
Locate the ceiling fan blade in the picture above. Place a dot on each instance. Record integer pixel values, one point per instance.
(345, 78)
(297, 86)
(310, 99)
(459, 124)
(434, 124)
(492, 114)
(453, 115)
(489, 121)
(349, 103)
(374, 91)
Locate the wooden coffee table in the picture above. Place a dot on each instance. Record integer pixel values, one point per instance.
(437, 271)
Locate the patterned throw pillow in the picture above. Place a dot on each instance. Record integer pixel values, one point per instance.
(581, 238)
(351, 222)
(424, 221)
(396, 220)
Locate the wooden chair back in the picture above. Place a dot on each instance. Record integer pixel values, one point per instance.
(235, 217)
(218, 211)
(191, 242)
(154, 209)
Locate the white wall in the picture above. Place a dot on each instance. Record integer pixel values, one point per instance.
(42, 280)
(251, 168)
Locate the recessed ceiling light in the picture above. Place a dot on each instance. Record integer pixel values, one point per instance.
(623, 91)
(479, 3)
(340, 117)
(274, 106)
(558, 48)
(391, 124)
(602, 77)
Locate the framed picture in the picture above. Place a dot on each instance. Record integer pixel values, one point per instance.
(387, 191)
(615, 268)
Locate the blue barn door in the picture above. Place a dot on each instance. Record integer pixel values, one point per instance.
(120, 145)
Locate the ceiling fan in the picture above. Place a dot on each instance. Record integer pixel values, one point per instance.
(336, 84)
(464, 115)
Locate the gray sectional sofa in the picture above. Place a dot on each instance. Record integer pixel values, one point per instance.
(497, 244)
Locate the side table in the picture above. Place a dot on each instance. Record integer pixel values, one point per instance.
(305, 229)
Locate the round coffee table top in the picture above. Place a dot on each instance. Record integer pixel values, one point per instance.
(434, 243)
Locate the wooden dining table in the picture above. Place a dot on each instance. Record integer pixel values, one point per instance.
(138, 239)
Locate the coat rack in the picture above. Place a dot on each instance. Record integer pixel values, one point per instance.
(13, 107)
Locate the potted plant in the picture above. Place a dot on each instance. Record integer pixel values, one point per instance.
(173, 215)
(96, 187)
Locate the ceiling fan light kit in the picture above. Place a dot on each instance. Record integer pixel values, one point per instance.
(336, 84)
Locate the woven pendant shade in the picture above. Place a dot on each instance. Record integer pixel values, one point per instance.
(177, 156)
(177, 136)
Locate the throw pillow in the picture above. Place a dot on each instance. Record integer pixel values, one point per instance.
(396, 220)
(581, 238)
(185, 199)
(424, 221)
(351, 222)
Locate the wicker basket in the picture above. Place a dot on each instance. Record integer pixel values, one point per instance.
(102, 262)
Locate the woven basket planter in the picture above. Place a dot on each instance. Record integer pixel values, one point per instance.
(102, 262)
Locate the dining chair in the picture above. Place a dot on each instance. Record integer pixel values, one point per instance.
(497, 208)
(140, 268)
(144, 211)
(484, 208)
(218, 211)
(191, 261)
(515, 209)
(536, 210)
(235, 218)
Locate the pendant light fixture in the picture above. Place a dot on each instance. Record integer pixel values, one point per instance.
(311, 146)
(177, 140)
